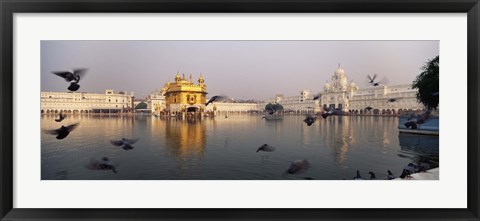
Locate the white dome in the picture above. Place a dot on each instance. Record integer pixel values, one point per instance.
(352, 84)
(339, 72)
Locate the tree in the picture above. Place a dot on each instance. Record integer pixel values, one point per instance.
(273, 108)
(269, 108)
(427, 84)
(277, 107)
(141, 105)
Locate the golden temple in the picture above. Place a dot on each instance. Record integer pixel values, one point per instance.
(185, 96)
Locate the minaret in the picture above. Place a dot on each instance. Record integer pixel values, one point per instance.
(177, 77)
(200, 79)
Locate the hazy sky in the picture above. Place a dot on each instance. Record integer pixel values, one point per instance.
(239, 69)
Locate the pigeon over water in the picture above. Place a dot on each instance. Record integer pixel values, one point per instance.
(327, 112)
(215, 98)
(102, 164)
(331, 111)
(298, 167)
(125, 144)
(63, 131)
(310, 120)
(266, 148)
(60, 117)
(72, 76)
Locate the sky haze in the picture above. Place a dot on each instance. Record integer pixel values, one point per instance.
(239, 69)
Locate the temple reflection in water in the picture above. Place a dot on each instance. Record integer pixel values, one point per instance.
(185, 140)
(225, 148)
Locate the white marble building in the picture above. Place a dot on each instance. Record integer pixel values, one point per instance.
(229, 107)
(350, 98)
(81, 102)
(302, 103)
(156, 101)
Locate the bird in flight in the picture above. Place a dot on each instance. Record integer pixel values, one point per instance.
(124, 143)
(392, 100)
(297, 167)
(72, 76)
(102, 164)
(63, 131)
(60, 117)
(215, 98)
(371, 80)
(309, 120)
(266, 148)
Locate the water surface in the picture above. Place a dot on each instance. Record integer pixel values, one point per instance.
(225, 148)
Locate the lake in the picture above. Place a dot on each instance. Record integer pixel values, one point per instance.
(225, 148)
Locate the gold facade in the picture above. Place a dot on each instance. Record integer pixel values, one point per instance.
(185, 93)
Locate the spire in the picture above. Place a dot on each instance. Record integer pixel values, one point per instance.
(177, 77)
(200, 79)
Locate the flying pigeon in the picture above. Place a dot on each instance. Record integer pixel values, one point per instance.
(266, 148)
(297, 167)
(310, 120)
(63, 131)
(215, 98)
(102, 164)
(125, 144)
(392, 100)
(72, 76)
(60, 117)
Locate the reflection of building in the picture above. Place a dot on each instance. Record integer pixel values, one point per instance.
(183, 95)
(302, 103)
(186, 140)
(348, 97)
(81, 102)
(340, 135)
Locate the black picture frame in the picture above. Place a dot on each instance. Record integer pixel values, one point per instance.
(9, 7)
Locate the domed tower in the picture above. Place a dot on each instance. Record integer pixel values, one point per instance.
(200, 79)
(339, 79)
(353, 86)
(177, 77)
(327, 87)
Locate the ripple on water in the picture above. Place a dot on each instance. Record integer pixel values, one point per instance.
(225, 149)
